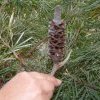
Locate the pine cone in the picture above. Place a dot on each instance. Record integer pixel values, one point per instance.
(56, 42)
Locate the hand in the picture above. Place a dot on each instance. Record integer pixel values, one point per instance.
(29, 86)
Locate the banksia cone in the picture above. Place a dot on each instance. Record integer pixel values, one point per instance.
(56, 37)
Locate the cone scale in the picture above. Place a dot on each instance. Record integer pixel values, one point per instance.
(56, 42)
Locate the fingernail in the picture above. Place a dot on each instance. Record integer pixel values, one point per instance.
(59, 81)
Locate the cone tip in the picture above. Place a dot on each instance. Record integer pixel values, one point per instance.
(58, 7)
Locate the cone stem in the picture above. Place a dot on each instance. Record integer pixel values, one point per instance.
(57, 66)
(54, 69)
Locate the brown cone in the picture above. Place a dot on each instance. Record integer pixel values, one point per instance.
(56, 42)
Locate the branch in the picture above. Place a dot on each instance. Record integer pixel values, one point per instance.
(61, 64)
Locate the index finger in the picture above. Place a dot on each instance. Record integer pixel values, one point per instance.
(55, 81)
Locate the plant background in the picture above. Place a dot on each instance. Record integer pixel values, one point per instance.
(23, 41)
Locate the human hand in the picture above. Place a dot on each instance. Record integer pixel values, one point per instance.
(29, 86)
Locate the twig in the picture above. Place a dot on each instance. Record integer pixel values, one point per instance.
(21, 60)
(58, 66)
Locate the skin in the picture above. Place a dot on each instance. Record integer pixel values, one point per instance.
(29, 86)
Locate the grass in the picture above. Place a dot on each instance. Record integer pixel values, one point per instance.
(23, 43)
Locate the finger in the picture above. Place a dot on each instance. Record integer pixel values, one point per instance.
(43, 98)
(46, 86)
(55, 81)
(49, 95)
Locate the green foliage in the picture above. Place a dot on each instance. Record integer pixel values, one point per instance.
(23, 28)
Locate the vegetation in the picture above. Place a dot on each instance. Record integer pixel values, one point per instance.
(23, 38)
